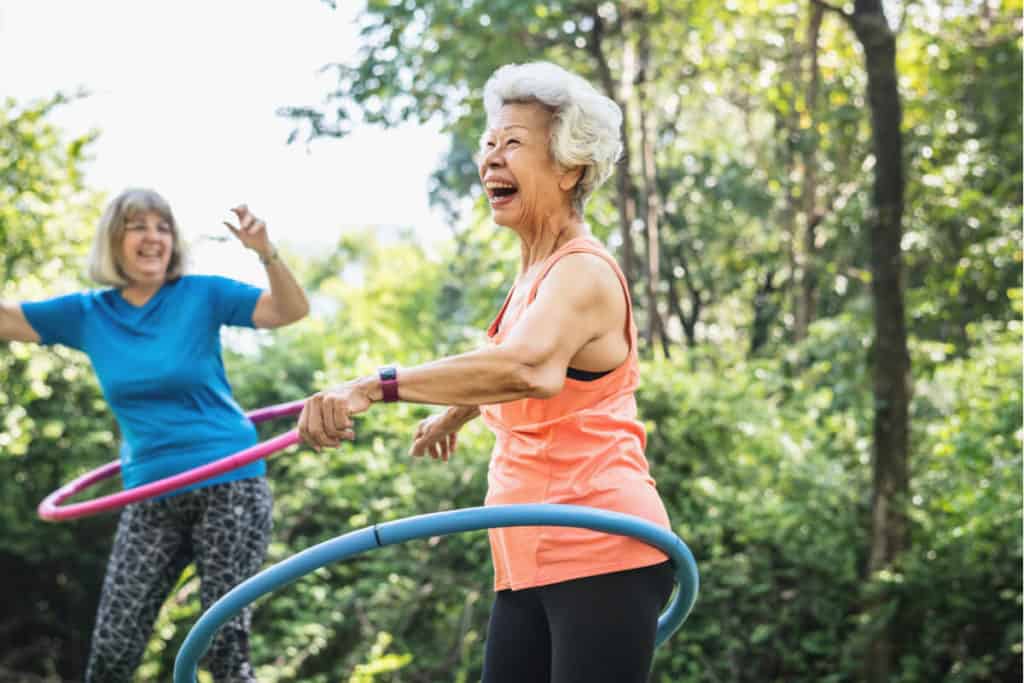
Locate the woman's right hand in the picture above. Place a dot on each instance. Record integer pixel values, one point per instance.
(437, 435)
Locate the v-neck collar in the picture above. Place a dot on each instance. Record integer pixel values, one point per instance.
(149, 303)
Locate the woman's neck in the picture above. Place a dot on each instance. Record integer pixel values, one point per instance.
(537, 245)
(137, 294)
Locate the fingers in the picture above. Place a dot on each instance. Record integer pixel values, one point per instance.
(445, 447)
(317, 430)
(422, 445)
(416, 449)
(244, 216)
(430, 440)
(327, 416)
(249, 223)
(339, 413)
(307, 420)
(325, 422)
(419, 438)
(242, 210)
(303, 425)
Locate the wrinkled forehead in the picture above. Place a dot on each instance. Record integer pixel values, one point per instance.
(529, 116)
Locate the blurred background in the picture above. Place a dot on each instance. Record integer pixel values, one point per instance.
(819, 210)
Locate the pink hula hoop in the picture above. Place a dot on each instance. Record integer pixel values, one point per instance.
(52, 511)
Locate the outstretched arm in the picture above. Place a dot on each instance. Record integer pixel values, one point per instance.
(580, 301)
(285, 302)
(13, 324)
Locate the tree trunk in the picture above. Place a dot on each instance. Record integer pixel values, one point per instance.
(648, 128)
(625, 197)
(891, 358)
(764, 313)
(687, 321)
(791, 214)
(811, 215)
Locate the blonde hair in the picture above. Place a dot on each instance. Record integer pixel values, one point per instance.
(104, 264)
(586, 125)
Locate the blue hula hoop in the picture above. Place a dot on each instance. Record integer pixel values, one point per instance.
(441, 524)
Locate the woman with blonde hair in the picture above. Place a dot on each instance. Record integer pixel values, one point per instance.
(153, 337)
(557, 387)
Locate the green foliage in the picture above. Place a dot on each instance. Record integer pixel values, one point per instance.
(763, 460)
(53, 421)
(755, 466)
(736, 136)
(964, 120)
(762, 464)
(45, 211)
(966, 509)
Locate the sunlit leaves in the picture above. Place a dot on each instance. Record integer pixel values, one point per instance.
(53, 421)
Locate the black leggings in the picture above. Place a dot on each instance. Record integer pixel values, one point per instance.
(224, 529)
(599, 629)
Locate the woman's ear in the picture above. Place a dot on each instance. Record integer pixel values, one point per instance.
(571, 178)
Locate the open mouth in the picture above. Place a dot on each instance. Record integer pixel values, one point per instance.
(500, 192)
(149, 258)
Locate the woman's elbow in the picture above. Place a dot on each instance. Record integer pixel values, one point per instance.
(295, 312)
(541, 381)
(301, 311)
(275, 318)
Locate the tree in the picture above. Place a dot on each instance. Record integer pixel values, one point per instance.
(433, 41)
(890, 357)
(54, 422)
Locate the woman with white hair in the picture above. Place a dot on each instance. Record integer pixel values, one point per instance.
(556, 386)
(153, 338)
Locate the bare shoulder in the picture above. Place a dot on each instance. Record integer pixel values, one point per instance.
(587, 279)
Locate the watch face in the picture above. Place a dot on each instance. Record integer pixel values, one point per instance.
(387, 372)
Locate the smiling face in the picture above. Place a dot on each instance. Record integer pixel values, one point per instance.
(147, 242)
(523, 182)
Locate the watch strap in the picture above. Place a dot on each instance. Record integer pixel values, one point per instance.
(388, 383)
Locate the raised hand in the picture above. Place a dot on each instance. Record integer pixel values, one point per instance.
(251, 231)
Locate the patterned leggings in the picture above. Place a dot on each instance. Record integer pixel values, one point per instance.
(225, 529)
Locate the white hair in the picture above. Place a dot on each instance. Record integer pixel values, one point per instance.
(585, 126)
(104, 264)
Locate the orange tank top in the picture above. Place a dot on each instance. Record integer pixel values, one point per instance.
(584, 446)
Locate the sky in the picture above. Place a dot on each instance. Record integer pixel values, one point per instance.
(184, 94)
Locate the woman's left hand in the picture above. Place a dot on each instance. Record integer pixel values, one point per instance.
(326, 418)
(252, 231)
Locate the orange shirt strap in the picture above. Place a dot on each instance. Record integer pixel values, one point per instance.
(496, 323)
(585, 245)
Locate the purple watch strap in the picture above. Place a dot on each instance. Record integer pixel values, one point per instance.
(388, 383)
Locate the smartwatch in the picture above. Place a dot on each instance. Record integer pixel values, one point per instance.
(388, 383)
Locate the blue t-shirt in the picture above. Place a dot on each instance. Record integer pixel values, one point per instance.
(161, 371)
